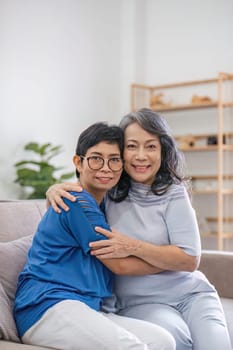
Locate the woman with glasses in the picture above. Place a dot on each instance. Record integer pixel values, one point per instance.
(151, 206)
(62, 286)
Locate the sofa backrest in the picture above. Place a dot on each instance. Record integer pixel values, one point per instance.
(19, 218)
(218, 267)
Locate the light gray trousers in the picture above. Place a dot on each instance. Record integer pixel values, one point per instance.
(72, 325)
(197, 322)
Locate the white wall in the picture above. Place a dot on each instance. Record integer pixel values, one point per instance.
(188, 40)
(67, 63)
(60, 67)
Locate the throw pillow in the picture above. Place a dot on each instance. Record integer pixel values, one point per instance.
(8, 329)
(12, 260)
(13, 256)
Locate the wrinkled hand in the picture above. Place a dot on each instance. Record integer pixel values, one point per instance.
(116, 246)
(55, 193)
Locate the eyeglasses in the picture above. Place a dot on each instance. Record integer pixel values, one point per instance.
(97, 162)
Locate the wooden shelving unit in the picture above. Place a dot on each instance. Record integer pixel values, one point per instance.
(222, 140)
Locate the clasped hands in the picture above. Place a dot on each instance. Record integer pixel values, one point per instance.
(116, 246)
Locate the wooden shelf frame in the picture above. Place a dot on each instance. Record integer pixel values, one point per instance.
(220, 105)
(215, 219)
(204, 136)
(225, 235)
(184, 107)
(206, 148)
(225, 191)
(211, 177)
(151, 89)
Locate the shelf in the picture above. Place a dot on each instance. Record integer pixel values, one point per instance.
(204, 191)
(215, 219)
(227, 191)
(198, 95)
(215, 233)
(206, 148)
(199, 148)
(184, 107)
(222, 75)
(214, 191)
(210, 177)
(227, 235)
(199, 142)
(227, 147)
(202, 136)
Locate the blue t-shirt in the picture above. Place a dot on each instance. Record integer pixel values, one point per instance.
(59, 265)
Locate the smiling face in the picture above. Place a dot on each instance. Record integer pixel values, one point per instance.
(98, 182)
(142, 154)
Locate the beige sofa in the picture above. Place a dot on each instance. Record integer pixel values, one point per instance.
(18, 221)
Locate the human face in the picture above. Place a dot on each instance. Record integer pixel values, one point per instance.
(98, 182)
(142, 154)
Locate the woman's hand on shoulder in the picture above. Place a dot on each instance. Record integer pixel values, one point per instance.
(117, 245)
(56, 192)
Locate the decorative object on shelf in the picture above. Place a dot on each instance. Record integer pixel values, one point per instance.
(39, 174)
(200, 99)
(213, 140)
(187, 141)
(157, 101)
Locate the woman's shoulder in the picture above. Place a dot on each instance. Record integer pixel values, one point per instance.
(177, 191)
(82, 195)
(83, 198)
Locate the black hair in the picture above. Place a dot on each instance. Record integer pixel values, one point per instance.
(171, 169)
(97, 133)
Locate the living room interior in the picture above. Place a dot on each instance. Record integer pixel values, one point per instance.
(66, 65)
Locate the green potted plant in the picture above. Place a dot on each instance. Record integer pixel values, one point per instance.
(39, 174)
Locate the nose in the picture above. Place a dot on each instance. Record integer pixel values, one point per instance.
(141, 154)
(105, 166)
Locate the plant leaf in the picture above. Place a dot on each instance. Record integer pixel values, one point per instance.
(32, 146)
(39, 174)
(66, 176)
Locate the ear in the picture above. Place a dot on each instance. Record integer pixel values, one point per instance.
(77, 162)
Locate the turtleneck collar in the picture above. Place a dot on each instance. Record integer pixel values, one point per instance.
(139, 189)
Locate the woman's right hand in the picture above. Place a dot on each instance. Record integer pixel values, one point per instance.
(55, 193)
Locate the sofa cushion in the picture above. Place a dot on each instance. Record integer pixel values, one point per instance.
(12, 260)
(217, 266)
(19, 218)
(7, 324)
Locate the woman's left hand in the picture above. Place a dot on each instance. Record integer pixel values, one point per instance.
(116, 246)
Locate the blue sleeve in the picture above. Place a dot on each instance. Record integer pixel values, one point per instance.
(182, 223)
(81, 219)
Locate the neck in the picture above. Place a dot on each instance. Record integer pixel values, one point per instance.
(96, 194)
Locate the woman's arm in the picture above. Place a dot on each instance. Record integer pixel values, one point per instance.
(131, 266)
(125, 266)
(56, 192)
(167, 257)
(182, 253)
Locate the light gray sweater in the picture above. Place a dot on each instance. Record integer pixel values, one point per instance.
(162, 220)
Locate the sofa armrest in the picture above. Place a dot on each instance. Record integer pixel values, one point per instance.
(218, 268)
